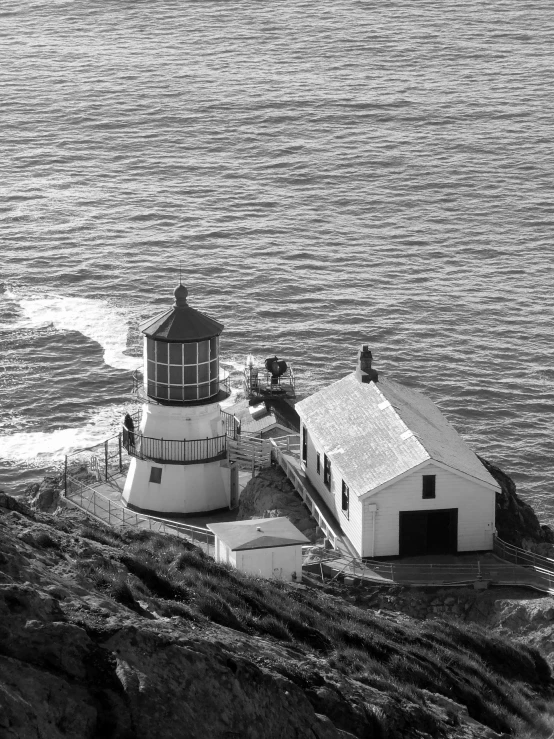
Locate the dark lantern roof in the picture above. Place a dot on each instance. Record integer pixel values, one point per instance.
(181, 323)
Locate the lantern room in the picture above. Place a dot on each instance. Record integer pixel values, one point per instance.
(181, 355)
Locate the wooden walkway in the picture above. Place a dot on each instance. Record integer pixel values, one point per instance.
(284, 454)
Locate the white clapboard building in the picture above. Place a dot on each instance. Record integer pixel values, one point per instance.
(398, 478)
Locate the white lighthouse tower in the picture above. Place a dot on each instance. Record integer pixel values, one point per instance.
(179, 446)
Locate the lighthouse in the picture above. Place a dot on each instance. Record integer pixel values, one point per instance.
(178, 442)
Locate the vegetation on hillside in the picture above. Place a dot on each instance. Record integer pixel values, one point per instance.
(505, 685)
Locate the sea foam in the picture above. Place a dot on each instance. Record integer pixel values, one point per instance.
(42, 448)
(96, 319)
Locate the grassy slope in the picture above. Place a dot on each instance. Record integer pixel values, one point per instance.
(504, 685)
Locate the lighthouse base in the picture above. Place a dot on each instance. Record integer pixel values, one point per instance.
(181, 489)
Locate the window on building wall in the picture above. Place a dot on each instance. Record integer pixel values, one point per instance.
(345, 498)
(318, 463)
(327, 471)
(156, 475)
(304, 444)
(428, 490)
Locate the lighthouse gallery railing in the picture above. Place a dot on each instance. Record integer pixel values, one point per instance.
(175, 451)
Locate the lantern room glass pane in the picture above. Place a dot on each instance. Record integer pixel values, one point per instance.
(161, 352)
(214, 387)
(150, 346)
(203, 372)
(190, 392)
(190, 353)
(175, 375)
(214, 370)
(176, 393)
(213, 347)
(203, 351)
(204, 391)
(151, 388)
(161, 392)
(176, 354)
(162, 373)
(151, 371)
(190, 375)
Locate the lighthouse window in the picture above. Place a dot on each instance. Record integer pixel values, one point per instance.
(213, 348)
(190, 374)
(156, 474)
(162, 373)
(176, 354)
(190, 353)
(176, 392)
(204, 351)
(161, 352)
(175, 375)
(150, 348)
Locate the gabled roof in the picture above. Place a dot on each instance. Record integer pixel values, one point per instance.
(181, 324)
(374, 432)
(258, 533)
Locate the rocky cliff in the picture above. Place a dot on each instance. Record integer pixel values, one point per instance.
(116, 634)
(516, 521)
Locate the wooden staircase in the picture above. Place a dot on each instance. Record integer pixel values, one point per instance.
(249, 452)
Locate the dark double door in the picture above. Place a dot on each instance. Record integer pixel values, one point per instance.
(428, 532)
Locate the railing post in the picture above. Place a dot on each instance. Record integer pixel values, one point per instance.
(109, 511)
(106, 459)
(288, 443)
(120, 453)
(65, 477)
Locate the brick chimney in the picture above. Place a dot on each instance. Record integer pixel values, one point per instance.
(364, 372)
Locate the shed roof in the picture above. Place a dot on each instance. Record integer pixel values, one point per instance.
(258, 533)
(375, 432)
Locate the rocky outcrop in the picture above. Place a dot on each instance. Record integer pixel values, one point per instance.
(46, 496)
(516, 521)
(270, 494)
(84, 661)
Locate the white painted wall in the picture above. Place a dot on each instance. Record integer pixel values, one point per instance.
(190, 488)
(475, 504)
(278, 562)
(181, 422)
(351, 525)
(224, 554)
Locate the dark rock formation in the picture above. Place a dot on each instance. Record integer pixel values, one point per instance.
(270, 494)
(81, 660)
(45, 496)
(516, 521)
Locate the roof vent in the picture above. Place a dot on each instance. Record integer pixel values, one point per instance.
(364, 372)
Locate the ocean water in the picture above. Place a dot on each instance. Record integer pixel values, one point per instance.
(327, 173)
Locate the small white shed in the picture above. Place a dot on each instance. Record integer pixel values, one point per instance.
(265, 547)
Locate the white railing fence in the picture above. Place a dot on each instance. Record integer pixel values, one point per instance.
(100, 507)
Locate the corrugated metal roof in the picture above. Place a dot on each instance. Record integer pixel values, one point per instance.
(374, 432)
(273, 532)
(181, 324)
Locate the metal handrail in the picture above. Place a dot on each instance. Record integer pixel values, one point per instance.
(315, 511)
(175, 451)
(95, 504)
(521, 556)
(501, 573)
